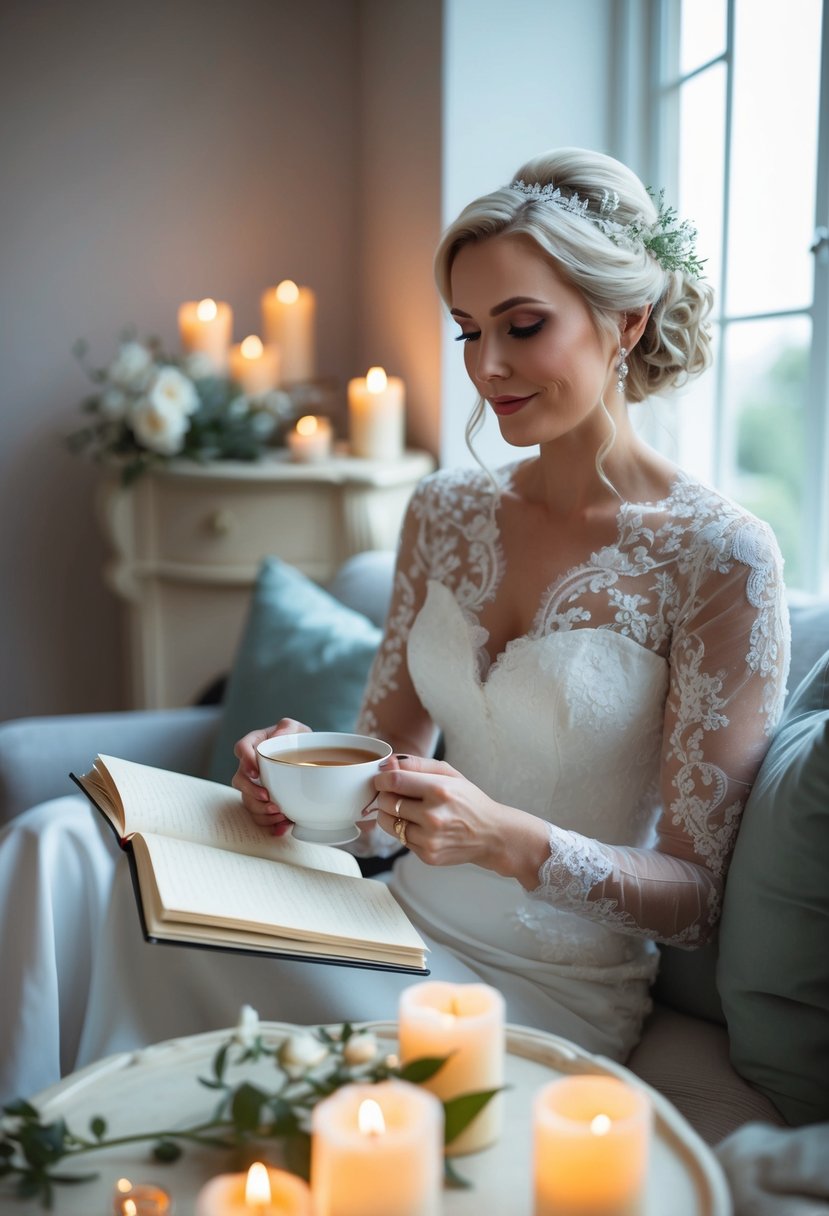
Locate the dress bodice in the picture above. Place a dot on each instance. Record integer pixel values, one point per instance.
(634, 713)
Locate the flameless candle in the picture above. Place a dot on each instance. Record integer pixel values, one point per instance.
(466, 1020)
(376, 427)
(377, 1150)
(140, 1199)
(260, 1192)
(206, 327)
(310, 439)
(253, 366)
(591, 1138)
(288, 318)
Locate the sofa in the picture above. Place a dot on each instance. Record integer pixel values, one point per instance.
(685, 1051)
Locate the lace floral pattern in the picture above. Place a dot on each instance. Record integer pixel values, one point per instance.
(692, 579)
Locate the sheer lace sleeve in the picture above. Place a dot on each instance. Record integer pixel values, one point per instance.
(728, 664)
(391, 708)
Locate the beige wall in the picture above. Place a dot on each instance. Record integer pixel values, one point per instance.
(150, 152)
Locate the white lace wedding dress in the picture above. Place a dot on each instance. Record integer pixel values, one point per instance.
(632, 717)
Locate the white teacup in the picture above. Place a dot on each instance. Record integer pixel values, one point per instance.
(322, 780)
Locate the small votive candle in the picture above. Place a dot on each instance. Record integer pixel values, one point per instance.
(376, 423)
(310, 439)
(377, 1150)
(253, 366)
(140, 1199)
(465, 1022)
(259, 1192)
(205, 327)
(591, 1143)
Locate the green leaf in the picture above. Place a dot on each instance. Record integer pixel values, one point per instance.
(98, 1127)
(21, 1108)
(462, 1110)
(452, 1179)
(220, 1062)
(418, 1071)
(166, 1151)
(246, 1106)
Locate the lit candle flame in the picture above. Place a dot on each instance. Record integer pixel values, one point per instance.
(252, 347)
(129, 1208)
(206, 310)
(376, 380)
(370, 1119)
(600, 1125)
(307, 425)
(258, 1185)
(287, 292)
(123, 1185)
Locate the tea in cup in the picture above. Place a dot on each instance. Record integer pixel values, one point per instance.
(322, 780)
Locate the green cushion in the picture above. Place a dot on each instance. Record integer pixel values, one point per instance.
(773, 970)
(303, 655)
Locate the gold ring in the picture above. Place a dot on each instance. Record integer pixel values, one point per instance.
(397, 806)
(400, 831)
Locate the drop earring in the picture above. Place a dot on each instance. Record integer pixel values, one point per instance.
(622, 370)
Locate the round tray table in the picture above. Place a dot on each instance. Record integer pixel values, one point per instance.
(158, 1088)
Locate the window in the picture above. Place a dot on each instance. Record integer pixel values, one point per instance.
(742, 112)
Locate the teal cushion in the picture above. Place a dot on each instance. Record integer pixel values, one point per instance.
(303, 655)
(773, 970)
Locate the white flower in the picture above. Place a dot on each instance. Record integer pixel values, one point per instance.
(300, 1052)
(247, 1028)
(131, 367)
(239, 407)
(361, 1048)
(113, 402)
(171, 389)
(159, 426)
(199, 366)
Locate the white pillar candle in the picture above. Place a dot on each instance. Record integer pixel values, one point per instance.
(466, 1020)
(591, 1138)
(259, 1192)
(253, 366)
(206, 327)
(377, 1150)
(376, 423)
(288, 322)
(310, 440)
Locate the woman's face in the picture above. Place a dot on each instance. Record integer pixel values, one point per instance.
(530, 346)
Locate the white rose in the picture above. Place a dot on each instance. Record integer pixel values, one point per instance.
(131, 367)
(159, 426)
(300, 1052)
(113, 402)
(172, 389)
(361, 1048)
(247, 1028)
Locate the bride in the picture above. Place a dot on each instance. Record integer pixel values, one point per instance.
(601, 639)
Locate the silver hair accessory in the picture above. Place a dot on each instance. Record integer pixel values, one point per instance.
(669, 240)
(622, 370)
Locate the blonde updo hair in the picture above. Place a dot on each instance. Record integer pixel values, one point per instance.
(612, 279)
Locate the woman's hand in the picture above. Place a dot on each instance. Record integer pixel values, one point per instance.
(449, 821)
(255, 797)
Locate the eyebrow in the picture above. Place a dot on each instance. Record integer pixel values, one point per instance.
(499, 308)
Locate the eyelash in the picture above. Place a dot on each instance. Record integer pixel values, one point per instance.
(514, 331)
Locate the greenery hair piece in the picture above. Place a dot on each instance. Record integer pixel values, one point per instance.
(669, 240)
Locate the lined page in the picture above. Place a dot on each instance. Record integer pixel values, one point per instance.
(200, 884)
(190, 808)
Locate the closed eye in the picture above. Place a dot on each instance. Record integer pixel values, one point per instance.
(468, 336)
(526, 331)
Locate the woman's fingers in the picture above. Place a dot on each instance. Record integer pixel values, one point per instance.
(256, 799)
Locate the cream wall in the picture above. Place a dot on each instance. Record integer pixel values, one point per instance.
(156, 152)
(150, 152)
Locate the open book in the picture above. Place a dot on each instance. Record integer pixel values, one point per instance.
(206, 875)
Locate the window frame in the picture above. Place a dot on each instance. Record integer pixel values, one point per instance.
(648, 89)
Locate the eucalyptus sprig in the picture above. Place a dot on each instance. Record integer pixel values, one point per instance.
(309, 1065)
